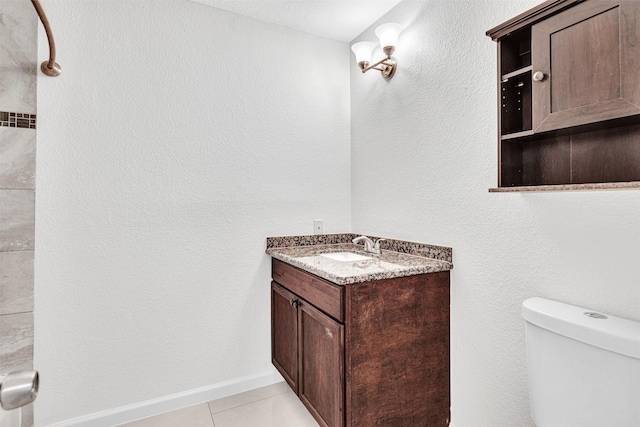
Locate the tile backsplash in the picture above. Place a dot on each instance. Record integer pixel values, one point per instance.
(17, 120)
(18, 58)
(18, 83)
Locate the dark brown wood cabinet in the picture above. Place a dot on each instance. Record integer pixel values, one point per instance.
(321, 365)
(366, 354)
(569, 93)
(284, 334)
(588, 58)
(308, 350)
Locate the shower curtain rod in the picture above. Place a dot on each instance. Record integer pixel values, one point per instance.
(50, 67)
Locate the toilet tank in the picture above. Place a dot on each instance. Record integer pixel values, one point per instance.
(583, 367)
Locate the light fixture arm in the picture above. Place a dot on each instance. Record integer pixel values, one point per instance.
(388, 69)
(385, 61)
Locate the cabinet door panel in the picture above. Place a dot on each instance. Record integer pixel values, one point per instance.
(322, 367)
(284, 334)
(589, 55)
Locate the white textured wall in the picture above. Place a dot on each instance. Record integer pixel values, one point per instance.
(423, 156)
(176, 139)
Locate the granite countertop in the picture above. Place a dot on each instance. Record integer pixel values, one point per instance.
(631, 185)
(398, 259)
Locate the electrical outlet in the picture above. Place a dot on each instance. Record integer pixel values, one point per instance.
(317, 226)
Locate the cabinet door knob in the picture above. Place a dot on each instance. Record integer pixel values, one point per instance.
(539, 76)
(295, 302)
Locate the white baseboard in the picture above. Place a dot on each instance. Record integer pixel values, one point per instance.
(160, 405)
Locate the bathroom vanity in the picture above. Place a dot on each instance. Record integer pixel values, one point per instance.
(363, 342)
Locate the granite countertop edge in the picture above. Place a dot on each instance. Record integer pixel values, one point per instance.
(410, 258)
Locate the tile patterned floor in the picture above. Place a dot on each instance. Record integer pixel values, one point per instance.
(272, 406)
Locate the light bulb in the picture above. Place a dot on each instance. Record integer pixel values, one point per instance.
(363, 52)
(388, 35)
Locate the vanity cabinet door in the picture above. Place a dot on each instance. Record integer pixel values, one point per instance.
(284, 334)
(321, 383)
(586, 66)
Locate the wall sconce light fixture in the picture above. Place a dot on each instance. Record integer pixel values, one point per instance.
(388, 35)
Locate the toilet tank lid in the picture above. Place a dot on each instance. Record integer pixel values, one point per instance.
(613, 333)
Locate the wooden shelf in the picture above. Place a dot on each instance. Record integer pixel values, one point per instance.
(517, 135)
(517, 72)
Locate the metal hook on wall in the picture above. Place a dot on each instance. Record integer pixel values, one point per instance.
(50, 67)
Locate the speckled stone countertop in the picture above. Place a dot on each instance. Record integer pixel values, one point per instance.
(399, 258)
(632, 185)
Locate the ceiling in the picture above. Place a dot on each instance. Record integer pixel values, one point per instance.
(341, 20)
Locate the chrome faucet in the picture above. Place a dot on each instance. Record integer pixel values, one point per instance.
(369, 246)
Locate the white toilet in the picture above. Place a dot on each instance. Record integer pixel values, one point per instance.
(584, 367)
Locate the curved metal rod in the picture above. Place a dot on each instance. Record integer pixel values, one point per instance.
(50, 67)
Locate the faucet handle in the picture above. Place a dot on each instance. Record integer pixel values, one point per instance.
(368, 243)
(377, 244)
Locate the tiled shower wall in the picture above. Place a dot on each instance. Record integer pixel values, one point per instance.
(18, 59)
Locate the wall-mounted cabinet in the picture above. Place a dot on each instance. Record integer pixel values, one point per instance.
(569, 94)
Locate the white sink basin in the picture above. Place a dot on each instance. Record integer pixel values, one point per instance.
(345, 256)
